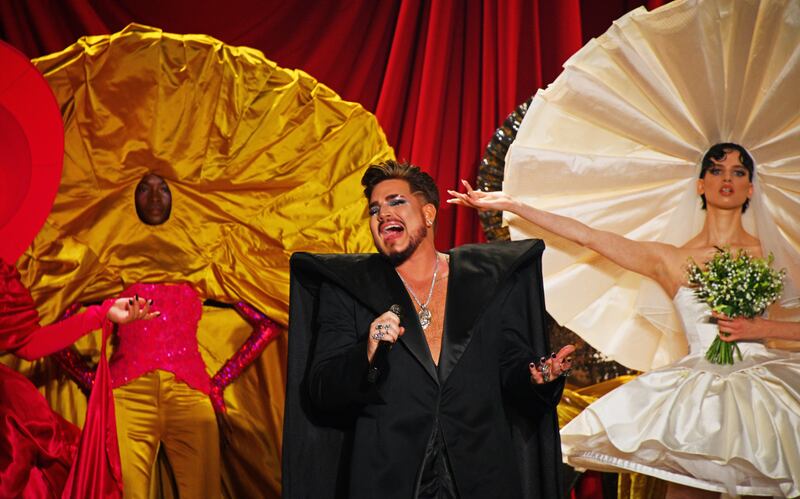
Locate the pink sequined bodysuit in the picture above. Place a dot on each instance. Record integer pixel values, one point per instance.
(168, 342)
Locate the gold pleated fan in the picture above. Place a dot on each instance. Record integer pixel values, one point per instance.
(261, 160)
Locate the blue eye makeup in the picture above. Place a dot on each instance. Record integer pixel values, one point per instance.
(393, 202)
(397, 201)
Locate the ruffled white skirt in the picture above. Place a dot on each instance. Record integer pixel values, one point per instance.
(733, 429)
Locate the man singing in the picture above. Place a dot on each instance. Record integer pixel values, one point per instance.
(419, 374)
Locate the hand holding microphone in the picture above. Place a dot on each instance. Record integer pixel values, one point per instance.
(383, 333)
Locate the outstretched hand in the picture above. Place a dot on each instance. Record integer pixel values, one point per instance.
(480, 200)
(548, 369)
(125, 310)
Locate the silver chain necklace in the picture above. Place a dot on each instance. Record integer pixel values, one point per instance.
(424, 313)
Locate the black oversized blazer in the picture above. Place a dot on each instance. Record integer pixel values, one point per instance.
(347, 437)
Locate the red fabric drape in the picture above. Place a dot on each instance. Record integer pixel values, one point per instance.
(440, 75)
(97, 472)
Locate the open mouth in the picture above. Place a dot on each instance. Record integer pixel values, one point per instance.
(391, 230)
(726, 191)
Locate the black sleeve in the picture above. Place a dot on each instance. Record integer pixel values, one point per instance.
(525, 341)
(339, 366)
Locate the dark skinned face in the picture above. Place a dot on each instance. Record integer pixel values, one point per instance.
(153, 200)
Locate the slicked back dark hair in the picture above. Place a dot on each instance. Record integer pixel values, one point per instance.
(418, 180)
(716, 153)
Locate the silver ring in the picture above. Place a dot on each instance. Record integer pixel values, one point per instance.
(378, 335)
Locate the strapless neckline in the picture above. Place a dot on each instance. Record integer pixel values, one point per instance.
(698, 326)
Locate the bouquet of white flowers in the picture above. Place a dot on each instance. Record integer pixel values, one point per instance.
(735, 286)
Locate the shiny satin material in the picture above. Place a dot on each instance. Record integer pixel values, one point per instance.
(638, 486)
(616, 142)
(251, 456)
(265, 330)
(157, 409)
(39, 451)
(574, 400)
(167, 342)
(17, 310)
(261, 160)
(21, 332)
(97, 470)
(37, 446)
(733, 429)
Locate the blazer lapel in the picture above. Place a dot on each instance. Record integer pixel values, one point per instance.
(413, 338)
(476, 275)
(464, 299)
(371, 280)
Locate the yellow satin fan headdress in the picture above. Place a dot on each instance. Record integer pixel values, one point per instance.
(616, 142)
(261, 161)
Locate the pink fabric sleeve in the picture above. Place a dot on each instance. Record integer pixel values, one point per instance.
(49, 339)
(264, 331)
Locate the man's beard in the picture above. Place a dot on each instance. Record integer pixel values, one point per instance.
(398, 257)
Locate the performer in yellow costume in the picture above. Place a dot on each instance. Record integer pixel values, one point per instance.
(163, 394)
(260, 162)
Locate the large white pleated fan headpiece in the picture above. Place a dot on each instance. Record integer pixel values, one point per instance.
(616, 142)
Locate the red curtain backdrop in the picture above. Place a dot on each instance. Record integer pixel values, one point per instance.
(440, 75)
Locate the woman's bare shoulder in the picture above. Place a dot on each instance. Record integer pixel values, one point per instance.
(752, 246)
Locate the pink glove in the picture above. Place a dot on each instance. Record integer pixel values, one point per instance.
(264, 331)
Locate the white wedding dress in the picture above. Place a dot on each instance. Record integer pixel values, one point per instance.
(616, 143)
(733, 429)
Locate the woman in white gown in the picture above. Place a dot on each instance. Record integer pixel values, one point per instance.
(705, 428)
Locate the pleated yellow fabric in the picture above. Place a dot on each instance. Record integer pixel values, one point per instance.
(261, 161)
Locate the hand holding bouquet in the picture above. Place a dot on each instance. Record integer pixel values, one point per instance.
(736, 286)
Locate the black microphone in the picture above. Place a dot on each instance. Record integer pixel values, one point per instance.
(379, 359)
(387, 345)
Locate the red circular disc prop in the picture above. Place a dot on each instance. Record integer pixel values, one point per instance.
(31, 152)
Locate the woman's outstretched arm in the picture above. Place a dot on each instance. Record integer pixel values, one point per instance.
(646, 258)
